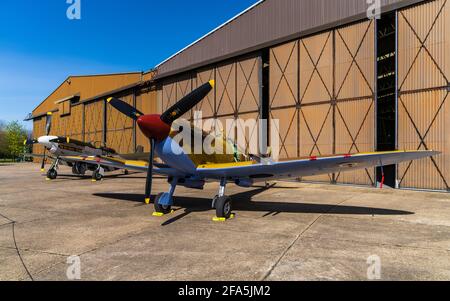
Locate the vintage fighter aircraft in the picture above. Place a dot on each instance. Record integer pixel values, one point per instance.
(65, 146)
(193, 171)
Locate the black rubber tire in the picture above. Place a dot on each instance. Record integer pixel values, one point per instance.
(97, 176)
(223, 207)
(75, 170)
(214, 202)
(52, 174)
(126, 172)
(160, 208)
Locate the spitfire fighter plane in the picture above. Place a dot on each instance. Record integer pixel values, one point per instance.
(193, 170)
(65, 146)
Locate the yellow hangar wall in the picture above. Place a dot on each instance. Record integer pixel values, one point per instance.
(79, 110)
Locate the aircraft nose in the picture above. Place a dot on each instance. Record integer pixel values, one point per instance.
(153, 127)
(42, 140)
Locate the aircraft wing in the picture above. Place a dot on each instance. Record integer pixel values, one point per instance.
(38, 156)
(119, 163)
(308, 167)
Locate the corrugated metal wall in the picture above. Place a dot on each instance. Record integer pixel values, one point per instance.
(254, 30)
(322, 93)
(423, 79)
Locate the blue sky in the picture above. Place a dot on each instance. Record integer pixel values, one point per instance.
(40, 46)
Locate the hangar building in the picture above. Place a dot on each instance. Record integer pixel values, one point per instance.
(338, 82)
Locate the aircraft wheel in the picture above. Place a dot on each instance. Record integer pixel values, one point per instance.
(97, 176)
(223, 207)
(75, 170)
(52, 174)
(214, 202)
(126, 172)
(164, 209)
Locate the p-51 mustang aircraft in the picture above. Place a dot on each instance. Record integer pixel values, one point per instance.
(64, 146)
(193, 171)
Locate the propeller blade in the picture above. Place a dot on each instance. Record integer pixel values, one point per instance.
(124, 108)
(187, 103)
(48, 124)
(148, 184)
(30, 142)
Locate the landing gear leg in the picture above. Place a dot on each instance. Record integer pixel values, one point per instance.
(222, 203)
(164, 201)
(52, 173)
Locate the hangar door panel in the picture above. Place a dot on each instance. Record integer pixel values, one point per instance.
(207, 106)
(173, 90)
(423, 114)
(93, 122)
(248, 103)
(316, 93)
(73, 124)
(283, 91)
(225, 103)
(355, 106)
(119, 128)
(146, 102)
(38, 131)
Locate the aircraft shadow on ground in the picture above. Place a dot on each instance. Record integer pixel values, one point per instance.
(243, 202)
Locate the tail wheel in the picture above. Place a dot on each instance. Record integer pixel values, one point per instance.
(164, 209)
(223, 207)
(97, 176)
(52, 174)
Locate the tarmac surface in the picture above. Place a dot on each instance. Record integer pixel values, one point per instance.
(289, 232)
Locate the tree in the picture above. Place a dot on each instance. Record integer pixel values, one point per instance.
(15, 136)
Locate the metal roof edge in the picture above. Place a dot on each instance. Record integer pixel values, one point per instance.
(211, 32)
(302, 34)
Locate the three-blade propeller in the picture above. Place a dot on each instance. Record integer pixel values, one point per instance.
(157, 127)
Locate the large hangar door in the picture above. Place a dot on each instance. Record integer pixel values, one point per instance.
(322, 93)
(423, 83)
(283, 97)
